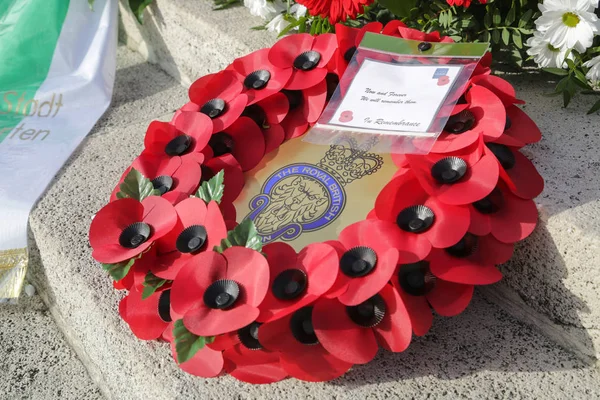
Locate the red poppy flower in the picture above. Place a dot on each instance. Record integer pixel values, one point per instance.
(306, 107)
(296, 280)
(500, 87)
(348, 40)
(422, 221)
(148, 318)
(306, 56)
(165, 140)
(368, 257)
(259, 77)
(517, 171)
(484, 67)
(519, 129)
(199, 227)
(335, 10)
(125, 228)
(399, 29)
(167, 174)
(420, 291)
(352, 334)
(219, 293)
(245, 357)
(269, 111)
(233, 176)
(206, 363)
(471, 261)
(485, 116)
(220, 97)
(300, 353)
(507, 217)
(460, 177)
(274, 136)
(243, 139)
(463, 3)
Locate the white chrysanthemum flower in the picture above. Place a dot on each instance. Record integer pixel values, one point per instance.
(277, 24)
(263, 8)
(594, 69)
(568, 24)
(544, 54)
(298, 11)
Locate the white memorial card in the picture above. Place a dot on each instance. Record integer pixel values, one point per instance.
(393, 97)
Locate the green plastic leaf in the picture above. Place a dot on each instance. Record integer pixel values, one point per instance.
(594, 108)
(525, 18)
(557, 71)
(212, 189)
(496, 36)
(487, 20)
(186, 343)
(517, 57)
(496, 17)
(136, 186)
(91, 4)
(138, 7)
(151, 284)
(400, 8)
(505, 36)
(517, 40)
(244, 234)
(510, 17)
(119, 270)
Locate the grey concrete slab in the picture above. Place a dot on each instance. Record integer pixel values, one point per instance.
(36, 362)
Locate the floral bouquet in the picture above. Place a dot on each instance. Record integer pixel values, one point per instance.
(226, 301)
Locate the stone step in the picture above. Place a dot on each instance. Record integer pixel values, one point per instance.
(551, 281)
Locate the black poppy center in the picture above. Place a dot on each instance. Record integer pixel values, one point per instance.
(508, 123)
(415, 219)
(369, 313)
(256, 114)
(289, 284)
(416, 279)
(424, 46)
(191, 239)
(307, 60)
(358, 261)
(257, 80)
(213, 108)
(178, 145)
(349, 53)
(332, 81)
(134, 235)
(248, 336)
(164, 306)
(294, 98)
(302, 327)
(491, 203)
(465, 246)
(221, 294)
(504, 155)
(221, 143)
(460, 123)
(162, 183)
(449, 170)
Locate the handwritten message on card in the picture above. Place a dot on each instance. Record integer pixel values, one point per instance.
(392, 97)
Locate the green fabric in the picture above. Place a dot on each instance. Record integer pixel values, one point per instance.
(396, 45)
(29, 31)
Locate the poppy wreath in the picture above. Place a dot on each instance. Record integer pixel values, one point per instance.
(202, 282)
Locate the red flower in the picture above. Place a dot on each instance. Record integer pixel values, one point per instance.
(517, 171)
(335, 10)
(367, 260)
(268, 114)
(471, 261)
(174, 174)
(501, 88)
(259, 77)
(352, 333)
(306, 107)
(306, 56)
(125, 228)
(519, 129)
(243, 139)
(296, 280)
(206, 363)
(348, 40)
(484, 67)
(232, 175)
(422, 221)
(507, 217)
(420, 290)
(165, 140)
(220, 97)
(148, 318)
(300, 353)
(199, 228)
(463, 3)
(245, 357)
(484, 116)
(399, 29)
(460, 177)
(219, 293)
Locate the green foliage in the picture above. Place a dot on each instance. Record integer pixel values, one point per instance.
(212, 189)
(119, 270)
(244, 234)
(151, 284)
(401, 8)
(186, 343)
(136, 186)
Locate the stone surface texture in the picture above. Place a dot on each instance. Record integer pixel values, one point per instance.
(36, 362)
